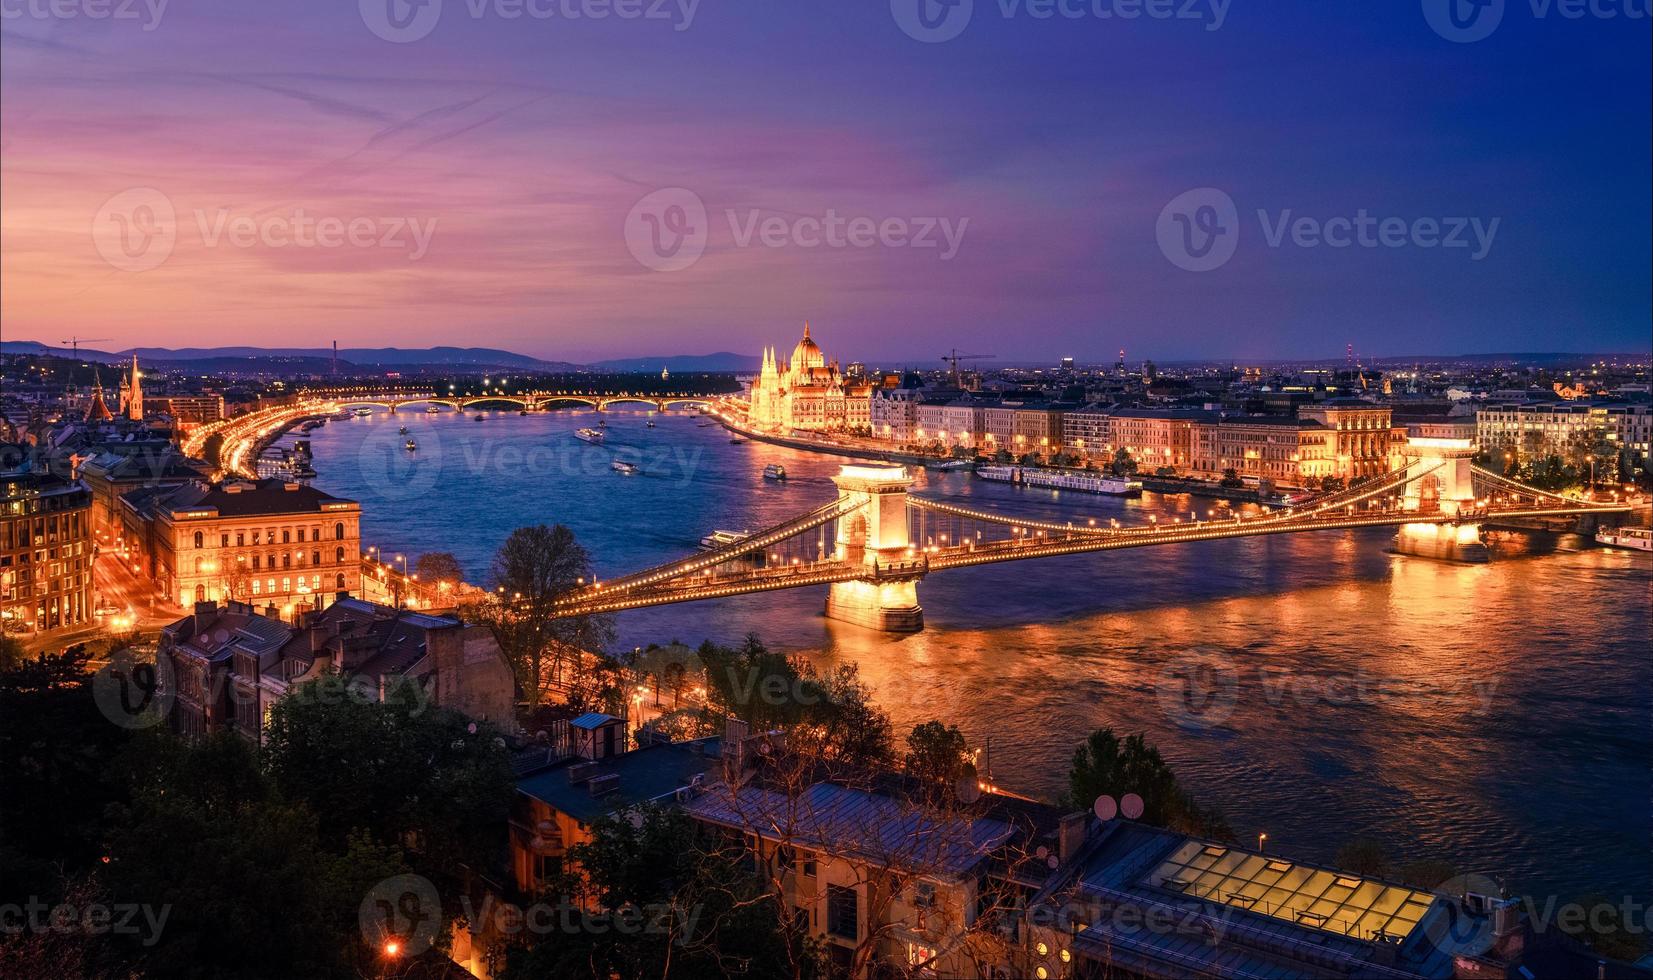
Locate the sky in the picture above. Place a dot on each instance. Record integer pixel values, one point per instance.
(583, 179)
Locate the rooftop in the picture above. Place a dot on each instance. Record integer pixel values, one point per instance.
(649, 773)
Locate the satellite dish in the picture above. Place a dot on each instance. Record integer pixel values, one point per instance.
(1131, 805)
(967, 789)
(1105, 808)
(1042, 852)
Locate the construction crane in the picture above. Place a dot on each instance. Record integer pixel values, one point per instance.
(75, 342)
(954, 359)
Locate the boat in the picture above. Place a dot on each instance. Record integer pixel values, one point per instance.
(593, 436)
(774, 471)
(649, 423)
(363, 412)
(602, 423)
(1059, 480)
(948, 465)
(432, 410)
(735, 440)
(481, 415)
(702, 425)
(623, 467)
(410, 445)
(1635, 538)
(402, 431)
(723, 539)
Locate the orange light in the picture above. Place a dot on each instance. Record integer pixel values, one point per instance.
(392, 948)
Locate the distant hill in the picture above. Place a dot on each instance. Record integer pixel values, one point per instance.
(722, 361)
(306, 359)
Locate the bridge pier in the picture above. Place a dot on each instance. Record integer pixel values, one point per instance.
(1444, 483)
(875, 535)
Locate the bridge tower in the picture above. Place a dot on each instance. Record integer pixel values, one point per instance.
(1440, 462)
(875, 536)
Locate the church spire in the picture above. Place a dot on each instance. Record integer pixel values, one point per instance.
(134, 398)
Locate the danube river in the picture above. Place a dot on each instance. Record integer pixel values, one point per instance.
(1494, 716)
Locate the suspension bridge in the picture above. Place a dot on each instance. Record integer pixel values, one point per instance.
(875, 542)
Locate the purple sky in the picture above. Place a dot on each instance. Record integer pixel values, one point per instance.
(499, 181)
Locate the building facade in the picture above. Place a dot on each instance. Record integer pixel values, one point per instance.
(1525, 431)
(1282, 450)
(808, 393)
(229, 665)
(1088, 432)
(952, 422)
(1364, 435)
(267, 542)
(1157, 437)
(46, 551)
(893, 414)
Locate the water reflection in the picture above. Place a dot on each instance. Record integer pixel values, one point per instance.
(1494, 715)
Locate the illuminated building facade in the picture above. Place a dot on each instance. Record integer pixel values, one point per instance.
(269, 543)
(45, 553)
(1280, 449)
(1364, 435)
(808, 392)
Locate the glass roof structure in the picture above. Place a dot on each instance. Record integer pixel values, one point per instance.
(1317, 898)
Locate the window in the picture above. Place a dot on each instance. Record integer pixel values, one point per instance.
(315, 558)
(223, 541)
(338, 531)
(809, 868)
(256, 560)
(257, 587)
(240, 539)
(340, 583)
(199, 539)
(301, 535)
(286, 536)
(843, 909)
(924, 896)
(338, 556)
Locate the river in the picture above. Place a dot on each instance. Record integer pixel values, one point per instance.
(1494, 716)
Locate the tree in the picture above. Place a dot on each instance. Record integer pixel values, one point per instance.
(1363, 856)
(439, 568)
(1105, 765)
(425, 776)
(533, 569)
(1123, 464)
(832, 716)
(1231, 478)
(938, 754)
(661, 900)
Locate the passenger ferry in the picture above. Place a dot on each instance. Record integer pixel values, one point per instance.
(593, 436)
(774, 471)
(1638, 538)
(363, 412)
(948, 465)
(1057, 480)
(431, 410)
(622, 467)
(722, 539)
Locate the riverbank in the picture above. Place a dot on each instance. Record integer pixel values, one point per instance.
(1157, 484)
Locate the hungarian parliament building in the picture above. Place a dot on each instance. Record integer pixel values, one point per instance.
(807, 392)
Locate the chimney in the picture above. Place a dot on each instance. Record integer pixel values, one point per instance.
(734, 746)
(204, 613)
(1070, 834)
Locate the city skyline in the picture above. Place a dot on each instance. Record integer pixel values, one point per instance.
(1020, 180)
